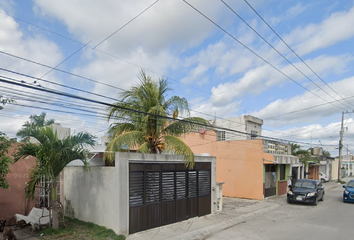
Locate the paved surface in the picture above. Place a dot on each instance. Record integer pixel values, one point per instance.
(24, 233)
(330, 219)
(235, 211)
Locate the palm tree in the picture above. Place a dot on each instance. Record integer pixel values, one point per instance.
(304, 155)
(52, 156)
(36, 121)
(148, 121)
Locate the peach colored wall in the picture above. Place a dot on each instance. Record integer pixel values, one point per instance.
(12, 200)
(238, 163)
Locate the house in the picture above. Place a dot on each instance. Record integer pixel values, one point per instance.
(141, 191)
(347, 166)
(12, 200)
(252, 168)
(245, 124)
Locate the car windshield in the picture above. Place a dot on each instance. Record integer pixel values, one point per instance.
(350, 184)
(305, 184)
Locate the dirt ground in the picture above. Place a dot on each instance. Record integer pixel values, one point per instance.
(23, 233)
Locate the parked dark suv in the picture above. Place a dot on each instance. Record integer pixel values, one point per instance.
(306, 191)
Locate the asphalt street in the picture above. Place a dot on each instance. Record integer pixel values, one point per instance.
(330, 219)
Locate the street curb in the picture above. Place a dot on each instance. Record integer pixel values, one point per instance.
(209, 230)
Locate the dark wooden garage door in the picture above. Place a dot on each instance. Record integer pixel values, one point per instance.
(164, 193)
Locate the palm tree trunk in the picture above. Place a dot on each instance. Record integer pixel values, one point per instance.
(55, 216)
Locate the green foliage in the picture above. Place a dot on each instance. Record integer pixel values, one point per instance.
(304, 155)
(153, 132)
(5, 160)
(52, 153)
(36, 121)
(3, 101)
(326, 153)
(76, 229)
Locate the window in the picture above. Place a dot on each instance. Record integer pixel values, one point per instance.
(254, 134)
(282, 171)
(220, 135)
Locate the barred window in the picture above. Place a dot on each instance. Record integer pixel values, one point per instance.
(220, 135)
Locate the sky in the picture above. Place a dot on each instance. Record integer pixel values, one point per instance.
(289, 63)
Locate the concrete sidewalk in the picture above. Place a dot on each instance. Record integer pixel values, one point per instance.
(235, 211)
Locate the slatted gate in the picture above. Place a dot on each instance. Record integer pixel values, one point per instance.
(165, 193)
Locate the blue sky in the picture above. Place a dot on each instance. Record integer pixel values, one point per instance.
(206, 65)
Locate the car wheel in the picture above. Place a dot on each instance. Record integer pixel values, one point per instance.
(314, 202)
(289, 201)
(322, 180)
(322, 197)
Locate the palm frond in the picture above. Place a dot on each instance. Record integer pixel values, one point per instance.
(178, 128)
(133, 139)
(177, 146)
(144, 148)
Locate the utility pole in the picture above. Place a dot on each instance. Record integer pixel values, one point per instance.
(340, 148)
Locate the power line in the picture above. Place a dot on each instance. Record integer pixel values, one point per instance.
(109, 54)
(263, 59)
(120, 101)
(133, 110)
(103, 39)
(63, 71)
(101, 52)
(286, 59)
(294, 51)
(125, 24)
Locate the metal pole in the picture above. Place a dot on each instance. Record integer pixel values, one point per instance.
(340, 148)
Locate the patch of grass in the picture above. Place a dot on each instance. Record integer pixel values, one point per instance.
(76, 229)
(341, 182)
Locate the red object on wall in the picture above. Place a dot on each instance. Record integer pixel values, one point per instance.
(12, 200)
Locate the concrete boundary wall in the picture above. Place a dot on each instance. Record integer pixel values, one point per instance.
(101, 195)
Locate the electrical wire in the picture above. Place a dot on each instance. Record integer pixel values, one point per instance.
(276, 50)
(256, 54)
(133, 110)
(270, 27)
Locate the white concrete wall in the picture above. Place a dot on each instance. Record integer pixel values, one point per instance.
(62, 132)
(243, 124)
(93, 195)
(101, 195)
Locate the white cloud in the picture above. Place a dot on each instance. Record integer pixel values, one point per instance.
(336, 28)
(317, 108)
(289, 14)
(156, 29)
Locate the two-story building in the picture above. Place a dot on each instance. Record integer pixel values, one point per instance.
(250, 166)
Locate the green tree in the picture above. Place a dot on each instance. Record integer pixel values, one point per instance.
(326, 153)
(151, 133)
(304, 155)
(52, 156)
(3, 101)
(36, 121)
(5, 160)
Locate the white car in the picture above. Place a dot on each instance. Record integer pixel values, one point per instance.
(323, 177)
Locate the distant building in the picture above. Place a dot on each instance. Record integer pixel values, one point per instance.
(248, 124)
(62, 132)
